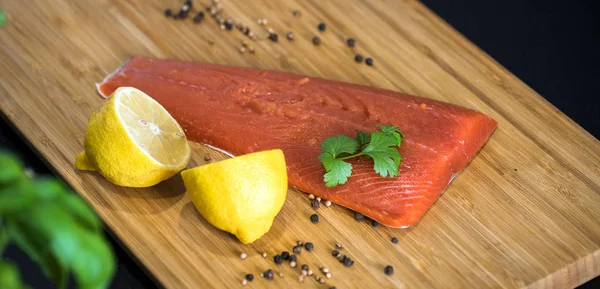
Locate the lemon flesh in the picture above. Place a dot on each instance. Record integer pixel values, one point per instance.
(241, 195)
(133, 141)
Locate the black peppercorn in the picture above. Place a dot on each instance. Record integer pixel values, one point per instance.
(369, 61)
(168, 12)
(322, 26)
(395, 240)
(277, 259)
(198, 18)
(249, 277)
(297, 249)
(274, 37)
(374, 223)
(293, 258)
(304, 267)
(335, 253)
(351, 42)
(316, 40)
(269, 274)
(388, 270)
(315, 203)
(308, 246)
(359, 216)
(285, 255)
(358, 58)
(314, 218)
(228, 25)
(348, 262)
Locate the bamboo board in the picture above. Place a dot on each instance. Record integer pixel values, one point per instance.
(524, 214)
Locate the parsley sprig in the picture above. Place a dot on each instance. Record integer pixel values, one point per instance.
(381, 146)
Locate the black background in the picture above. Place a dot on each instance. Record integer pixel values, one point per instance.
(550, 45)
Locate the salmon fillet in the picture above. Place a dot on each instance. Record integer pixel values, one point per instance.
(242, 110)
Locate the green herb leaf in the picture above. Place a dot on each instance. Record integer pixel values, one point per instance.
(392, 130)
(363, 138)
(379, 146)
(382, 149)
(10, 277)
(11, 168)
(338, 170)
(338, 145)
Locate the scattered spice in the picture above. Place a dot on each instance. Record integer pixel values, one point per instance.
(285, 255)
(304, 267)
(297, 249)
(243, 256)
(297, 13)
(277, 259)
(242, 50)
(293, 264)
(321, 280)
(311, 197)
(395, 240)
(335, 253)
(289, 36)
(359, 216)
(369, 61)
(301, 279)
(339, 246)
(299, 243)
(199, 17)
(374, 223)
(207, 156)
(228, 25)
(328, 275)
(322, 26)
(388, 270)
(264, 254)
(319, 199)
(304, 273)
(351, 42)
(310, 272)
(315, 204)
(358, 58)
(316, 40)
(328, 203)
(325, 270)
(182, 14)
(293, 258)
(314, 218)
(268, 274)
(348, 262)
(280, 274)
(249, 277)
(244, 282)
(168, 12)
(308, 246)
(273, 37)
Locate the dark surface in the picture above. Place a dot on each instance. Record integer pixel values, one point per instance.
(550, 46)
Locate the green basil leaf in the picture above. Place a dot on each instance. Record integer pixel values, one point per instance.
(10, 277)
(10, 168)
(80, 211)
(16, 196)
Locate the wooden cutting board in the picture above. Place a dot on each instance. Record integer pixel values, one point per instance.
(524, 213)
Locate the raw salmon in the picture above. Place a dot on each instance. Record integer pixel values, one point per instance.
(242, 110)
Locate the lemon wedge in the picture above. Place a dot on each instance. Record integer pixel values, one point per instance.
(133, 141)
(241, 195)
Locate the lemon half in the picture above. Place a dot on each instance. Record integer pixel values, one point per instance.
(241, 195)
(133, 141)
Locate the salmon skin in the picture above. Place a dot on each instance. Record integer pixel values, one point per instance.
(242, 110)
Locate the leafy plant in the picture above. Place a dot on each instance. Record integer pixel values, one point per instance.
(381, 147)
(54, 227)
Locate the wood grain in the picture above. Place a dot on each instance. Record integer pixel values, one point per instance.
(525, 212)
